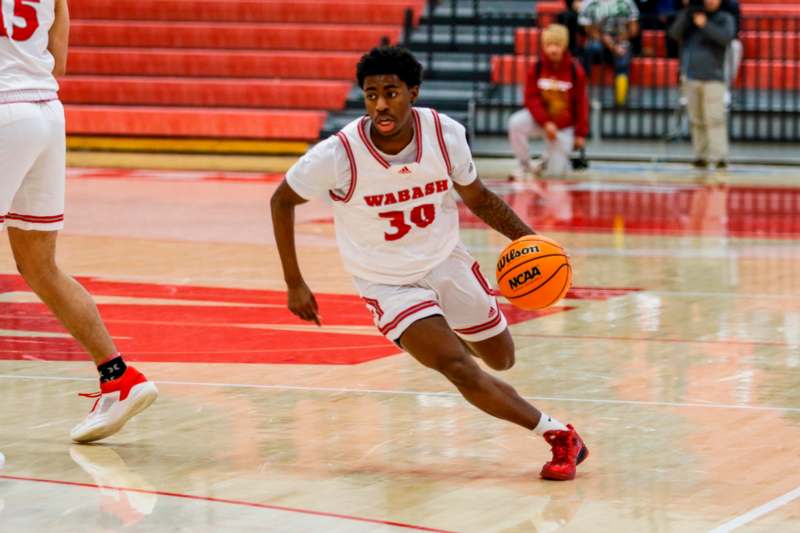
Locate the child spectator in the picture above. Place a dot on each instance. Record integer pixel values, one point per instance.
(556, 109)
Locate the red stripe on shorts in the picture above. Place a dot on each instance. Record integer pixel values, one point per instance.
(482, 327)
(405, 314)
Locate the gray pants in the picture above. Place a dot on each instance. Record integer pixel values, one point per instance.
(706, 107)
(522, 128)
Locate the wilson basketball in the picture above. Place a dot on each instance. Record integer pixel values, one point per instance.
(533, 272)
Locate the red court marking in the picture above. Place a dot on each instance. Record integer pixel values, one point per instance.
(232, 502)
(228, 327)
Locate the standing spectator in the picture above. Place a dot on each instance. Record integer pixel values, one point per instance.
(556, 108)
(705, 33)
(569, 18)
(610, 25)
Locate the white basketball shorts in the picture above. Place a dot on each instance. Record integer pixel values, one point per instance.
(32, 159)
(455, 289)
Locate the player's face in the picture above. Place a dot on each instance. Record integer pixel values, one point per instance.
(554, 52)
(388, 101)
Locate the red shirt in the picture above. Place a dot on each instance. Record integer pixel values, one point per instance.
(557, 93)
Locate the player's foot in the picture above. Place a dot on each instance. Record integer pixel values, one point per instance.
(568, 452)
(700, 163)
(110, 472)
(117, 402)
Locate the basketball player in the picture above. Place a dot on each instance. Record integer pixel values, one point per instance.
(390, 177)
(33, 50)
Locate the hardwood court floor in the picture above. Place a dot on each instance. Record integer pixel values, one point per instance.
(677, 356)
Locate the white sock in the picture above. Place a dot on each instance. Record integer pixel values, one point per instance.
(548, 423)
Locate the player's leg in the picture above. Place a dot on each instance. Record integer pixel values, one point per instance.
(35, 216)
(431, 342)
(34, 253)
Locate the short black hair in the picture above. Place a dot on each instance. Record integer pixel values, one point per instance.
(390, 60)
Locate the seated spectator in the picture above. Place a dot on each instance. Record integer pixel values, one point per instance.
(610, 25)
(556, 109)
(705, 33)
(569, 18)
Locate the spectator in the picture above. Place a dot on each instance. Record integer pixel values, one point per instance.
(569, 18)
(610, 25)
(705, 33)
(556, 109)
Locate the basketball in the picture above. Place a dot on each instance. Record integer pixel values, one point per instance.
(533, 272)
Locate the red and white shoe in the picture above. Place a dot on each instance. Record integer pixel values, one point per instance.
(117, 402)
(568, 452)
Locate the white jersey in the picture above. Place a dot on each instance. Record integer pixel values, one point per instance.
(26, 65)
(396, 216)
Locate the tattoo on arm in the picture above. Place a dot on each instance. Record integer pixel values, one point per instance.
(499, 216)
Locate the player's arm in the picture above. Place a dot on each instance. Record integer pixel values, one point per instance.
(58, 38)
(491, 209)
(282, 205)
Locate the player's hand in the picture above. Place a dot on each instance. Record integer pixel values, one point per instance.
(303, 304)
(700, 19)
(551, 130)
(580, 143)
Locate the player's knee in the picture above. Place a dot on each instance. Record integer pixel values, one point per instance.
(36, 272)
(503, 362)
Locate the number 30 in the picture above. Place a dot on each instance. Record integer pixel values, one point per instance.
(422, 216)
(26, 12)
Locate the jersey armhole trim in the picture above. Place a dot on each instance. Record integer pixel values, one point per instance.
(353, 171)
(418, 134)
(442, 146)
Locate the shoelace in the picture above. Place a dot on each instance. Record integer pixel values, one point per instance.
(96, 395)
(559, 448)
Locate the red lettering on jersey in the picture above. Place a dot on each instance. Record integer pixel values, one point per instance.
(390, 199)
(404, 195)
(417, 193)
(374, 201)
(430, 188)
(442, 185)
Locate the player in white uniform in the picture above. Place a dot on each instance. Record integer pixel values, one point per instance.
(33, 50)
(391, 177)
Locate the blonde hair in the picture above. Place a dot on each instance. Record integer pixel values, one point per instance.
(555, 34)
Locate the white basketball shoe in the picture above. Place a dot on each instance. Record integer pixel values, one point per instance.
(117, 402)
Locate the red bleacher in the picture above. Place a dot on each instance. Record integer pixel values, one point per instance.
(201, 62)
(267, 69)
(302, 11)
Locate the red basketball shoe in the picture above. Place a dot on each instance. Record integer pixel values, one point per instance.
(568, 452)
(117, 402)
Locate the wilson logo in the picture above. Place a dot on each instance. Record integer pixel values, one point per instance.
(513, 254)
(525, 277)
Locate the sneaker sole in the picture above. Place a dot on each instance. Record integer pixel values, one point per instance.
(141, 395)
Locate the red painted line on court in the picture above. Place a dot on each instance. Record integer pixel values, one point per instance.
(651, 339)
(232, 502)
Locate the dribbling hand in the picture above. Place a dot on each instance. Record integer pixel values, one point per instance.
(303, 304)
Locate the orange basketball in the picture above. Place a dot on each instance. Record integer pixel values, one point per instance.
(533, 272)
